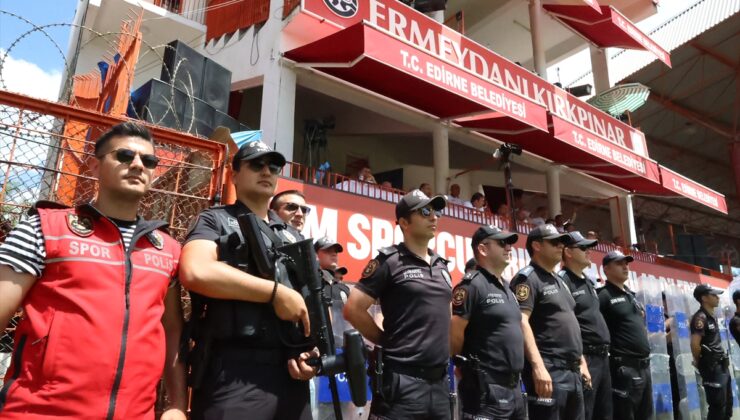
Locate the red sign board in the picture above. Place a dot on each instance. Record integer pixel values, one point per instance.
(363, 225)
(443, 43)
(624, 158)
(630, 29)
(690, 189)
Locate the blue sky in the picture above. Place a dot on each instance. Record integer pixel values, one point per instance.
(36, 48)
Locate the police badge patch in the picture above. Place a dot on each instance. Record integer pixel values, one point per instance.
(699, 324)
(522, 292)
(370, 268)
(157, 240)
(80, 225)
(458, 296)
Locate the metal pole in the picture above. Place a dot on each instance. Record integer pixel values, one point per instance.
(538, 49)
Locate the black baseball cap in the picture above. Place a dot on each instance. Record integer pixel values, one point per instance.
(736, 295)
(612, 256)
(255, 149)
(705, 289)
(415, 200)
(341, 270)
(326, 243)
(493, 232)
(578, 240)
(547, 232)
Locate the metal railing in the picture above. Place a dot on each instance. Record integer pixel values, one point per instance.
(194, 10)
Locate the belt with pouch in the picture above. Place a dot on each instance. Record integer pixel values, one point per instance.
(633, 362)
(508, 380)
(597, 350)
(428, 373)
(572, 365)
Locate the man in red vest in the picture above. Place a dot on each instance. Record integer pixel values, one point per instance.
(102, 315)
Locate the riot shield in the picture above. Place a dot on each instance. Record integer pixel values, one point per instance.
(724, 313)
(681, 305)
(650, 291)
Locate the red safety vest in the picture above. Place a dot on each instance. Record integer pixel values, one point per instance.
(91, 344)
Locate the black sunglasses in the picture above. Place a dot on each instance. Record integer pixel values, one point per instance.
(502, 243)
(127, 156)
(583, 248)
(258, 165)
(427, 211)
(291, 207)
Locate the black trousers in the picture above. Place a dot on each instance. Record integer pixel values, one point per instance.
(717, 387)
(237, 388)
(497, 402)
(409, 398)
(566, 402)
(598, 398)
(632, 391)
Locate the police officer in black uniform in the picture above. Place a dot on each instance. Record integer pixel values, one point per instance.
(735, 321)
(597, 391)
(486, 331)
(414, 290)
(629, 359)
(246, 370)
(709, 356)
(552, 338)
(327, 251)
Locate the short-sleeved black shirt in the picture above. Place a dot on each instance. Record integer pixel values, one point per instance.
(705, 324)
(735, 327)
(625, 317)
(553, 321)
(494, 331)
(208, 226)
(415, 300)
(594, 331)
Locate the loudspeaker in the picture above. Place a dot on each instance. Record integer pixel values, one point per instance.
(157, 102)
(700, 245)
(426, 6)
(685, 258)
(707, 262)
(216, 85)
(685, 244)
(201, 115)
(181, 61)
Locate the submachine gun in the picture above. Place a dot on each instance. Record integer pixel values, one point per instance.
(296, 266)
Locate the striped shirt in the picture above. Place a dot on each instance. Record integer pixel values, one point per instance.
(25, 250)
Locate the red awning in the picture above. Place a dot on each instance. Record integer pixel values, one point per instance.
(607, 28)
(367, 57)
(679, 184)
(572, 146)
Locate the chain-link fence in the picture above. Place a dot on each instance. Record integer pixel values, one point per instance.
(45, 154)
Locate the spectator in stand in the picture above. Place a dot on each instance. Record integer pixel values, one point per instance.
(522, 217)
(477, 201)
(539, 216)
(386, 184)
(291, 206)
(366, 175)
(618, 241)
(559, 222)
(591, 234)
(503, 211)
(426, 188)
(5, 228)
(454, 196)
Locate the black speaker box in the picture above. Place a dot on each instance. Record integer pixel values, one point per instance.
(707, 262)
(685, 244)
(181, 61)
(199, 117)
(216, 85)
(158, 103)
(700, 245)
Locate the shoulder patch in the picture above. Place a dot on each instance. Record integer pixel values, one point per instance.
(80, 225)
(370, 268)
(458, 296)
(522, 292)
(699, 324)
(156, 239)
